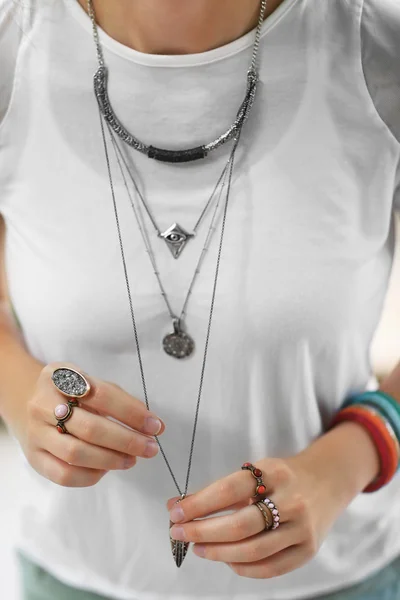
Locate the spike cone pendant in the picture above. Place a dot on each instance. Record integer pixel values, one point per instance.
(179, 549)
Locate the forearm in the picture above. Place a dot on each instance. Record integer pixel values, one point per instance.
(346, 456)
(18, 370)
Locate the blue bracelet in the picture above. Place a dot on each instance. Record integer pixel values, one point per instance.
(386, 405)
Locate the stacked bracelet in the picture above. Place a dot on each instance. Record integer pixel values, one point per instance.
(379, 414)
(388, 426)
(385, 404)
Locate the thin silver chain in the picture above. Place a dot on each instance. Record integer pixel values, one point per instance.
(146, 206)
(149, 249)
(100, 81)
(132, 312)
(234, 132)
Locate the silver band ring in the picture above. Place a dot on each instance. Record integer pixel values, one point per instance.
(274, 511)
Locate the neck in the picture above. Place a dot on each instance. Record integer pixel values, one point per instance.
(177, 26)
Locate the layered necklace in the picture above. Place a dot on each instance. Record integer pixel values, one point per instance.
(178, 344)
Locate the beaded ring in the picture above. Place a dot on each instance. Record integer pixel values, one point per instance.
(257, 474)
(274, 511)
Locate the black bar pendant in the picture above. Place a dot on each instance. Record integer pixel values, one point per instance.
(177, 156)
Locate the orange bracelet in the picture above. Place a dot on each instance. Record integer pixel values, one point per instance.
(384, 442)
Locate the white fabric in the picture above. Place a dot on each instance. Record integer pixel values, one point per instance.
(306, 260)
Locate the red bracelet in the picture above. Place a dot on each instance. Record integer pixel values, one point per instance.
(384, 443)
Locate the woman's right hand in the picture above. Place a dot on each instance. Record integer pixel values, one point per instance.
(96, 444)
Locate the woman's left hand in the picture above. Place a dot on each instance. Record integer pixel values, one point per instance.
(304, 490)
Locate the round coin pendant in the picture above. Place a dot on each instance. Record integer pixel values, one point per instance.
(178, 344)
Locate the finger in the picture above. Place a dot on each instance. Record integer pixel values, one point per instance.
(238, 487)
(76, 452)
(233, 489)
(251, 549)
(108, 399)
(237, 506)
(279, 564)
(240, 525)
(102, 432)
(63, 474)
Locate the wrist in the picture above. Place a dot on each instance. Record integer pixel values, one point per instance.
(18, 377)
(345, 460)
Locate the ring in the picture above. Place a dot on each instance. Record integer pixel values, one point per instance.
(62, 413)
(70, 383)
(274, 511)
(257, 474)
(267, 514)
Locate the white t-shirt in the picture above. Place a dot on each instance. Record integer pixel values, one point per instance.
(306, 259)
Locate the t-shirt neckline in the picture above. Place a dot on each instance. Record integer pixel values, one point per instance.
(180, 60)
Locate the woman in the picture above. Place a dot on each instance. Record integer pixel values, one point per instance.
(219, 309)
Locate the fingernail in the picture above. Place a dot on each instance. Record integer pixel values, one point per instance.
(199, 550)
(152, 426)
(176, 515)
(129, 461)
(177, 533)
(151, 449)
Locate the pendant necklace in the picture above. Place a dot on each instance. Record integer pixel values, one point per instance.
(178, 344)
(179, 549)
(175, 236)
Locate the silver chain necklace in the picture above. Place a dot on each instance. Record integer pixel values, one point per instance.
(179, 549)
(177, 344)
(101, 91)
(175, 236)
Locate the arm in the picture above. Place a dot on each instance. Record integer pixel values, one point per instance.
(19, 371)
(346, 456)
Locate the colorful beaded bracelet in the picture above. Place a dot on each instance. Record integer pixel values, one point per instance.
(384, 443)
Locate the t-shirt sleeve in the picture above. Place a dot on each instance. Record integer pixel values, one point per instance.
(11, 32)
(397, 192)
(380, 41)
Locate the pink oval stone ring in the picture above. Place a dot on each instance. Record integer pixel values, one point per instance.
(62, 413)
(72, 384)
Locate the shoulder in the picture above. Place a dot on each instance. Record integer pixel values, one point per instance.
(17, 18)
(380, 41)
(11, 31)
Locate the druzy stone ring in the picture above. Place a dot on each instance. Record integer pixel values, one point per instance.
(257, 474)
(72, 384)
